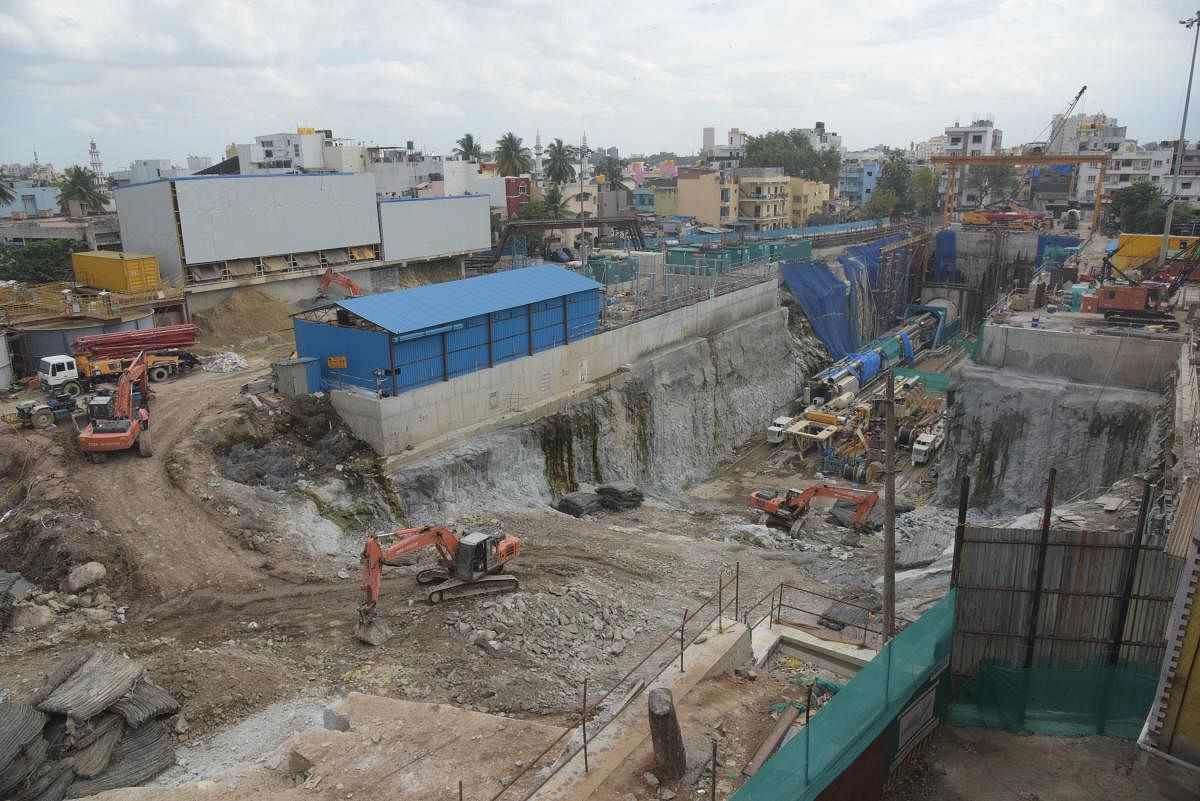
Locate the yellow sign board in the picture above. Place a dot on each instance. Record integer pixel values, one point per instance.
(336, 362)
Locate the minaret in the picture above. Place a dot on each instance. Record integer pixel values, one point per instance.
(97, 164)
(537, 157)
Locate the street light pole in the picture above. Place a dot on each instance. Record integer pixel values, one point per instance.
(1191, 22)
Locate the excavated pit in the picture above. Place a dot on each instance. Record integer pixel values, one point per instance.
(663, 423)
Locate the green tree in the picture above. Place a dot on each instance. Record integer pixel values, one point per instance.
(560, 167)
(792, 151)
(610, 168)
(924, 184)
(79, 184)
(896, 175)
(882, 203)
(512, 157)
(554, 203)
(993, 182)
(1140, 208)
(468, 148)
(820, 219)
(6, 192)
(39, 262)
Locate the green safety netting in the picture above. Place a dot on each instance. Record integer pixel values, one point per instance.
(977, 348)
(611, 271)
(1111, 701)
(934, 382)
(858, 714)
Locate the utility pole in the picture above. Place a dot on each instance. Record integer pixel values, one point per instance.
(583, 154)
(1176, 168)
(889, 512)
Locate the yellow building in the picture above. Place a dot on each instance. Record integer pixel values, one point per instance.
(708, 195)
(807, 198)
(763, 197)
(666, 197)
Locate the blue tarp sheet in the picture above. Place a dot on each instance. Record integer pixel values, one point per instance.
(908, 348)
(945, 256)
(872, 362)
(824, 300)
(1054, 241)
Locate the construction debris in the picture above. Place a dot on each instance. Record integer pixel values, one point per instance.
(227, 362)
(95, 725)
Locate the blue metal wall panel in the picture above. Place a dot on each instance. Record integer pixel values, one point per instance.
(510, 334)
(364, 350)
(419, 362)
(583, 314)
(467, 348)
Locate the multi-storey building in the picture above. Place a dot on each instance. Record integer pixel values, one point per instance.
(820, 138)
(1082, 133)
(762, 195)
(807, 198)
(860, 172)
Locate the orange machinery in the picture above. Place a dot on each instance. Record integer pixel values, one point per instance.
(113, 420)
(330, 277)
(470, 565)
(791, 507)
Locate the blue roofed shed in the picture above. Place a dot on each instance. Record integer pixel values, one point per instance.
(402, 340)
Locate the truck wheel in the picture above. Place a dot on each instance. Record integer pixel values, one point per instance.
(145, 448)
(159, 373)
(71, 388)
(42, 418)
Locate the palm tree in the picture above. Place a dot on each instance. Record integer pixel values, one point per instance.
(556, 204)
(469, 148)
(6, 192)
(610, 168)
(560, 167)
(79, 183)
(512, 158)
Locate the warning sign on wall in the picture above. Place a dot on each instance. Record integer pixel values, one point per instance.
(336, 362)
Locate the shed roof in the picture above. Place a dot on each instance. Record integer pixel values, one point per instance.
(408, 310)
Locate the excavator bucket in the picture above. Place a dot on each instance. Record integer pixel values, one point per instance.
(370, 629)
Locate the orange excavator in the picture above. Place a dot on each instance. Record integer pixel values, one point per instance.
(470, 565)
(330, 277)
(792, 506)
(114, 421)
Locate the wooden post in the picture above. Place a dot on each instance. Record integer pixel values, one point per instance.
(737, 590)
(889, 512)
(960, 530)
(1035, 606)
(720, 604)
(460, 795)
(583, 725)
(670, 759)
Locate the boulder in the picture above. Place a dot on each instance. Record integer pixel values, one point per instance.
(85, 575)
(619, 495)
(31, 616)
(578, 504)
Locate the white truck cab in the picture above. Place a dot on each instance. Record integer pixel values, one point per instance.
(59, 374)
(777, 427)
(925, 446)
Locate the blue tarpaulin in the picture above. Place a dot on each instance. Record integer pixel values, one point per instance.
(872, 363)
(824, 300)
(908, 347)
(1054, 241)
(945, 256)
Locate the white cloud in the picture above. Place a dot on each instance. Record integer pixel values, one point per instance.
(160, 79)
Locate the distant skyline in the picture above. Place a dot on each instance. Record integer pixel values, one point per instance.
(165, 78)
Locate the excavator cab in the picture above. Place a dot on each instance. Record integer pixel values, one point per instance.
(103, 417)
(478, 554)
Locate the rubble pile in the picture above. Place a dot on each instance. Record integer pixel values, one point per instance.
(95, 725)
(82, 597)
(571, 623)
(227, 362)
(611, 497)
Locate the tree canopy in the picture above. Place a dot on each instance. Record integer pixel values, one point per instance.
(512, 157)
(896, 176)
(994, 181)
(6, 192)
(560, 167)
(883, 202)
(792, 151)
(40, 261)
(610, 168)
(79, 184)
(924, 187)
(468, 148)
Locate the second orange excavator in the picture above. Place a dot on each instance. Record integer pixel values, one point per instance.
(791, 507)
(470, 565)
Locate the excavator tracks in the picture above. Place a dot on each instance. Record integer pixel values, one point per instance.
(453, 589)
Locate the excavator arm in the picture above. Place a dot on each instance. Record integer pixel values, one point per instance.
(330, 277)
(375, 555)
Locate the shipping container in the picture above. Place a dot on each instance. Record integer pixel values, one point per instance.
(116, 271)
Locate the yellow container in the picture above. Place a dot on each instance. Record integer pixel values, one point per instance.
(116, 271)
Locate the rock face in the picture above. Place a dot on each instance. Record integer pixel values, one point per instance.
(1007, 429)
(661, 426)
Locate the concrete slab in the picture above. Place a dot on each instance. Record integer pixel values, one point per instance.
(843, 658)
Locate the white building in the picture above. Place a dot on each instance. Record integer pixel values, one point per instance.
(1083, 133)
(980, 138)
(822, 139)
(215, 233)
(922, 152)
(1131, 165)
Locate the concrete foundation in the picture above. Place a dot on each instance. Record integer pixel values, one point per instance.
(527, 388)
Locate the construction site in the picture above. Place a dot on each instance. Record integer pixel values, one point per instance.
(872, 515)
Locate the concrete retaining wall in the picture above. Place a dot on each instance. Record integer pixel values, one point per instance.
(392, 425)
(1132, 361)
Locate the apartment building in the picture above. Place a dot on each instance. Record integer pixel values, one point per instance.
(762, 198)
(807, 198)
(707, 194)
(860, 172)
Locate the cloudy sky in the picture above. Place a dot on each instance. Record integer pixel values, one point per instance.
(165, 78)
